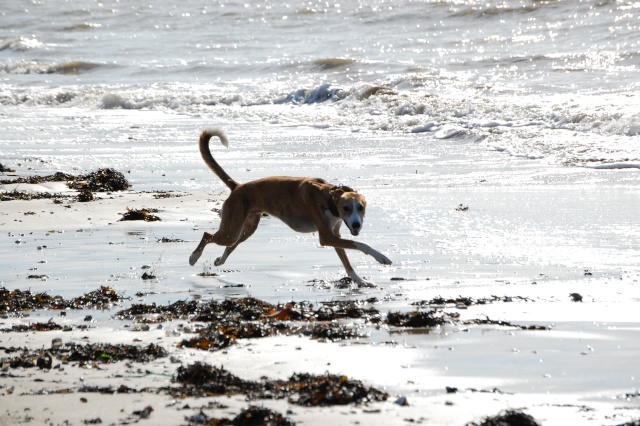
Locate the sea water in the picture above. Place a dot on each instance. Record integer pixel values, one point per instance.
(538, 79)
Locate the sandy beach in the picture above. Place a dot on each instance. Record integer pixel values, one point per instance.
(549, 336)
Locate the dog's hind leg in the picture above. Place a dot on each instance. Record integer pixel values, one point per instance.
(231, 228)
(250, 226)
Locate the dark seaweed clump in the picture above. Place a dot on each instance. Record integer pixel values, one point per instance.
(56, 177)
(102, 180)
(468, 301)
(18, 301)
(26, 196)
(4, 169)
(508, 418)
(416, 319)
(141, 214)
(307, 390)
(254, 416)
(84, 354)
(312, 391)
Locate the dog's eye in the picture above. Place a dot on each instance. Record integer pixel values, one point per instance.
(360, 208)
(346, 209)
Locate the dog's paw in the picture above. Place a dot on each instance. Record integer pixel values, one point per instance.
(219, 261)
(381, 258)
(359, 281)
(194, 257)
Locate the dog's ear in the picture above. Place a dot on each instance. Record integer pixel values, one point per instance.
(337, 191)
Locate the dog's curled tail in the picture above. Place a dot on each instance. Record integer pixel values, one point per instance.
(205, 136)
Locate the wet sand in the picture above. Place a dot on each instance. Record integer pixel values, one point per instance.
(518, 343)
(499, 249)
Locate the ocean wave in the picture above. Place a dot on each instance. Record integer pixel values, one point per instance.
(332, 63)
(37, 67)
(19, 44)
(384, 107)
(82, 27)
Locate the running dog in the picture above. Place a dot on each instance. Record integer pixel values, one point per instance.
(304, 204)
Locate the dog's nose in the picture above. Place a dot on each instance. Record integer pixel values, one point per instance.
(356, 225)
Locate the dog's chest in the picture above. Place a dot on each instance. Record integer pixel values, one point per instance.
(300, 223)
(303, 223)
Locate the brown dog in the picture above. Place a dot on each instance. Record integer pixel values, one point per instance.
(305, 204)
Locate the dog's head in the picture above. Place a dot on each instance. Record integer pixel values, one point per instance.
(350, 207)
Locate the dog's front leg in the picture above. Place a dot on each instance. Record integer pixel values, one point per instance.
(381, 258)
(328, 238)
(350, 271)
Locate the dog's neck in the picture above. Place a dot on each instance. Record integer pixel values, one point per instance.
(332, 207)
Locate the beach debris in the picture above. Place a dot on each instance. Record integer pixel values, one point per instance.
(38, 277)
(170, 240)
(508, 418)
(148, 276)
(576, 297)
(468, 301)
(26, 196)
(327, 332)
(102, 180)
(402, 401)
(56, 177)
(588, 273)
(44, 361)
(252, 416)
(18, 301)
(144, 413)
(488, 321)
(36, 326)
(5, 169)
(102, 298)
(462, 208)
(328, 389)
(90, 353)
(140, 214)
(84, 196)
(417, 319)
(201, 379)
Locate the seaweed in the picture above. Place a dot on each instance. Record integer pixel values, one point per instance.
(201, 379)
(347, 309)
(416, 319)
(5, 169)
(141, 214)
(103, 298)
(83, 354)
(468, 301)
(252, 416)
(487, 321)
(102, 180)
(329, 389)
(18, 301)
(508, 418)
(27, 196)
